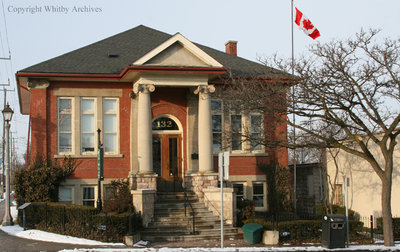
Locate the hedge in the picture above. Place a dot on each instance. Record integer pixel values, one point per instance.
(301, 230)
(79, 221)
(396, 227)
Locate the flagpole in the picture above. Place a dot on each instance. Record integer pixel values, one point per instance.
(294, 121)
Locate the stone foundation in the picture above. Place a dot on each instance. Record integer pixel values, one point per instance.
(198, 181)
(212, 199)
(143, 201)
(143, 181)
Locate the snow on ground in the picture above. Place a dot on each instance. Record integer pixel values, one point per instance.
(33, 234)
(246, 249)
(39, 235)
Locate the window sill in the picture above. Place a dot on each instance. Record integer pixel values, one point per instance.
(90, 156)
(246, 154)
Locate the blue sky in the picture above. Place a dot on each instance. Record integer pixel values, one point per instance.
(261, 27)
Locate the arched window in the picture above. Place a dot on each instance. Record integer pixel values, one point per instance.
(164, 123)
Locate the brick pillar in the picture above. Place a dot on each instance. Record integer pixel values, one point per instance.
(39, 123)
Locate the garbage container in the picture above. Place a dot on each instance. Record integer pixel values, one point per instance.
(252, 233)
(334, 231)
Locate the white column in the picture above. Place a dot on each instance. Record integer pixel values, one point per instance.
(205, 128)
(145, 151)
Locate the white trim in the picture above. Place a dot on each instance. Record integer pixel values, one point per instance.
(186, 44)
(176, 120)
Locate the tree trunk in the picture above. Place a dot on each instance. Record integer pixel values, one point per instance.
(387, 212)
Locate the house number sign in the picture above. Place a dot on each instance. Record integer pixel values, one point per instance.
(164, 123)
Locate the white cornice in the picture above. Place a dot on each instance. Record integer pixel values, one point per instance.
(188, 45)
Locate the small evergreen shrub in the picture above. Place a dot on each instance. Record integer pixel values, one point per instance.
(120, 200)
(39, 183)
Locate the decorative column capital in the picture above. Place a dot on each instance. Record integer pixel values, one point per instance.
(143, 88)
(204, 90)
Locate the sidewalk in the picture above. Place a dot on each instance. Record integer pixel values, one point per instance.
(35, 240)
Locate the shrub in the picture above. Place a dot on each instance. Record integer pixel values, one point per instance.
(41, 180)
(396, 227)
(336, 209)
(245, 210)
(302, 230)
(80, 221)
(120, 200)
(278, 182)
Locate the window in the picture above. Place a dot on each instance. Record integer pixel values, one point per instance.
(88, 196)
(90, 113)
(216, 110)
(88, 128)
(239, 190)
(110, 125)
(236, 131)
(258, 194)
(255, 132)
(65, 125)
(65, 194)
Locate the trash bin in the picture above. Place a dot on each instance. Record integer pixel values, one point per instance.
(334, 231)
(252, 233)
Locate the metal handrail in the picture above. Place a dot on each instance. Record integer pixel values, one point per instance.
(187, 202)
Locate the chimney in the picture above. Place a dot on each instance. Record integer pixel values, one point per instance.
(231, 47)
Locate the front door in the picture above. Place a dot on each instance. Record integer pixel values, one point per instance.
(167, 161)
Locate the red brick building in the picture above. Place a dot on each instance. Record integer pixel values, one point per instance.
(152, 96)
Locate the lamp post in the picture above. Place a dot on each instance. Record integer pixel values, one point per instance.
(7, 115)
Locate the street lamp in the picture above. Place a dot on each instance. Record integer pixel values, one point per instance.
(7, 115)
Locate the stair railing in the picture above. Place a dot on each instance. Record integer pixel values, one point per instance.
(187, 203)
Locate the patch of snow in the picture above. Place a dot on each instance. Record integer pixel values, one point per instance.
(39, 235)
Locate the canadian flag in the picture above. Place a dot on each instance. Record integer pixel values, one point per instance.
(305, 24)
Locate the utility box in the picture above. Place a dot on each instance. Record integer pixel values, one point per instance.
(252, 233)
(334, 231)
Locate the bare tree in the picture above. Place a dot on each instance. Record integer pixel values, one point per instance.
(348, 97)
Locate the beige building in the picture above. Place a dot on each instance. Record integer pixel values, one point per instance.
(365, 185)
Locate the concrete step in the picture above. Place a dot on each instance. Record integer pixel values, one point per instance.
(181, 212)
(170, 223)
(177, 205)
(189, 237)
(178, 219)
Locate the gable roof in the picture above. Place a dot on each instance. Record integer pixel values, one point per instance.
(130, 46)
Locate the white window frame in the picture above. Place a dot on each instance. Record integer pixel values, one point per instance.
(94, 113)
(221, 114)
(261, 132)
(242, 143)
(88, 200)
(116, 113)
(264, 195)
(76, 126)
(72, 194)
(246, 131)
(243, 184)
(72, 132)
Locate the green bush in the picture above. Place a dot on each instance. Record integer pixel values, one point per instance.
(39, 183)
(79, 221)
(120, 201)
